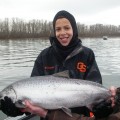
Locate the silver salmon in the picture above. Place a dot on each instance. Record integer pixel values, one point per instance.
(53, 92)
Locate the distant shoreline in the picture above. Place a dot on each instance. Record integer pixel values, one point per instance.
(46, 38)
(19, 29)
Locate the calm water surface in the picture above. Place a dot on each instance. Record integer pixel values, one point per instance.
(17, 59)
(107, 54)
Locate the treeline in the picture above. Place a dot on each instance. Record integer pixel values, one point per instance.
(18, 28)
(98, 30)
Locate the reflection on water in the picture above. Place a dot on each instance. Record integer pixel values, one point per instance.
(17, 58)
(107, 54)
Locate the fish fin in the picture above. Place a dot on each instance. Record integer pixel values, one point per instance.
(20, 104)
(89, 107)
(62, 74)
(67, 111)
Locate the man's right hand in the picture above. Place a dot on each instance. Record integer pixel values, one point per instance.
(105, 108)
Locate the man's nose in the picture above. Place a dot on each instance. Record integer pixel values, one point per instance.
(63, 31)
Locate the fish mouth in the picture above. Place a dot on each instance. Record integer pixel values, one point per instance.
(8, 92)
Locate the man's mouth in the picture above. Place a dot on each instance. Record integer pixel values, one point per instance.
(64, 39)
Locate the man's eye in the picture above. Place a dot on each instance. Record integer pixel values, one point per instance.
(67, 28)
(57, 29)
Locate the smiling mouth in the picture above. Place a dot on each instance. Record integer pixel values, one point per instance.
(64, 39)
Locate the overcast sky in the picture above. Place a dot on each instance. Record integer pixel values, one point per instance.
(85, 11)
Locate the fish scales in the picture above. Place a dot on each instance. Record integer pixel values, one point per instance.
(52, 92)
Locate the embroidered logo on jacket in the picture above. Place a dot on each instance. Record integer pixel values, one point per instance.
(81, 67)
(49, 67)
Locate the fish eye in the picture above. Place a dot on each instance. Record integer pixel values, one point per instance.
(20, 104)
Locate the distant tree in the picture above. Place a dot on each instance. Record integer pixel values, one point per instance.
(18, 28)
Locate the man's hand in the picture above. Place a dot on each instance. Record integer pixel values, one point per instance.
(34, 109)
(105, 108)
(113, 94)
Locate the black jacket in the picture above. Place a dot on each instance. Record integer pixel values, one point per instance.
(81, 64)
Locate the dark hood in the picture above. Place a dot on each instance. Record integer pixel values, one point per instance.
(71, 19)
(65, 50)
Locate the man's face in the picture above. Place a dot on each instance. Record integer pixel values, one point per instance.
(63, 31)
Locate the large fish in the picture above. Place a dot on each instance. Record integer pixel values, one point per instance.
(53, 92)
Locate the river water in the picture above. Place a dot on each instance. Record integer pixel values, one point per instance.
(17, 59)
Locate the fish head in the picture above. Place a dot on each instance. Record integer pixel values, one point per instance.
(9, 92)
